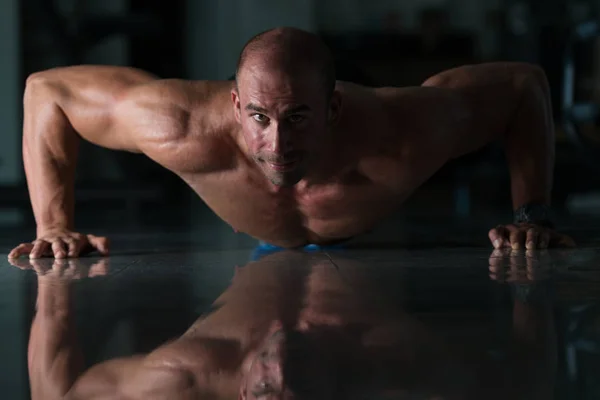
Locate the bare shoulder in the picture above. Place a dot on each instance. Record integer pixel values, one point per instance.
(180, 124)
(134, 378)
(405, 134)
(363, 110)
(459, 109)
(403, 115)
(459, 87)
(499, 74)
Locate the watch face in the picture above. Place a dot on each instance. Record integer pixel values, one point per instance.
(534, 213)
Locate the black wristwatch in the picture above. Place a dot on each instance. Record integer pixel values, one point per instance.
(534, 213)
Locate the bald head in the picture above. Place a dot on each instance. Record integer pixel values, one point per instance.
(289, 50)
(285, 101)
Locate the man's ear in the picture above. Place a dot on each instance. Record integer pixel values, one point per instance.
(335, 107)
(235, 98)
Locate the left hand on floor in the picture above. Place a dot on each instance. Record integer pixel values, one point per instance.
(528, 236)
(512, 266)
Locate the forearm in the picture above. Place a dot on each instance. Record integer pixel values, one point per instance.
(529, 143)
(62, 106)
(50, 147)
(54, 358)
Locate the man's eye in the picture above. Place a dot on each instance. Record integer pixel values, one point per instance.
(295, 119)
(260, 117)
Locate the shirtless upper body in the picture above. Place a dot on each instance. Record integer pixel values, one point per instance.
(277, 156)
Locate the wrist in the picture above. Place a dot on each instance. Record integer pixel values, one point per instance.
(44, 228)
(57, 215)
(534, 213)
(54, 297)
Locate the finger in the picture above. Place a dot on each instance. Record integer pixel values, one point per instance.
(99, 269)
(499, 264)
(510, 229)
(82, 245)
(497, 270)
(23, 248)
(497, 236)
(544, 239)
(532, 265)
(75, 269)
(20, 263)
(41, 266)
(560, 240)
(515, 265)
(58, 248)
(99, 243)
(71, 246)
(59, 266)
(517, 237)
(496, 262)
(40, 248)
(497, 254)
(532, 240)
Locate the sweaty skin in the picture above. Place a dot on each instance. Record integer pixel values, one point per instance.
(377, 146)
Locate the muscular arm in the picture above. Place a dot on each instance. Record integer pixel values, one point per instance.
(175, 370)
(179, 369)
(56, 365)
(60, 107)
(117, 108)
(133, 378)
(508, 102)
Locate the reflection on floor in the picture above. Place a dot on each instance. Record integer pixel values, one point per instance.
(394, 321)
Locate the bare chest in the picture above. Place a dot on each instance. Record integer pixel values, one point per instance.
(338, 208)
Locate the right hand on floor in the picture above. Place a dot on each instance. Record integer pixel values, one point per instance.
(60, 244)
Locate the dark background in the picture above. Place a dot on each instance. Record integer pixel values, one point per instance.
(376, 42)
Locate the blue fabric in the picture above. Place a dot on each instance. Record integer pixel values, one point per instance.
(264, 249)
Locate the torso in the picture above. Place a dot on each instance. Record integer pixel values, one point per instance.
(321, 213)
(379, 171)
(309, 294)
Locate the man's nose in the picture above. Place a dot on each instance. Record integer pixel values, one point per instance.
(280, 140)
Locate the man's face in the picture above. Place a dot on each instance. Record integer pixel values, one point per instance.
(265, 378)
(284, 119)
(287, 367)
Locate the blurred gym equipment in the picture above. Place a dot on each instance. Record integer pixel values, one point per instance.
(116, 32)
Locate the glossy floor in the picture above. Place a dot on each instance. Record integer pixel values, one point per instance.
(415, 316)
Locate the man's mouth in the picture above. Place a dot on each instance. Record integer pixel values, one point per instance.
(283, 165)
